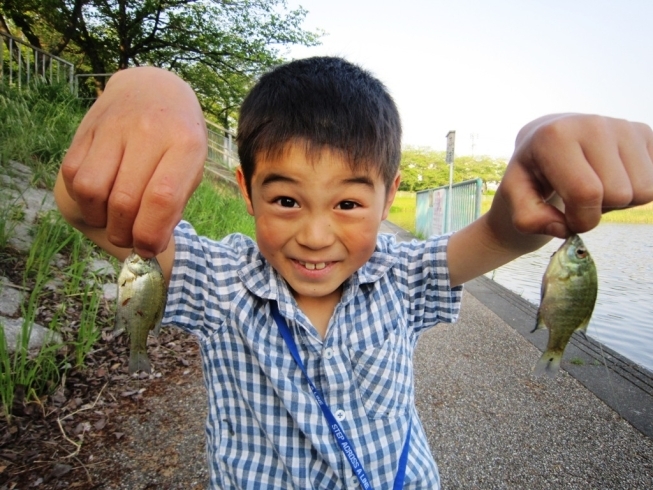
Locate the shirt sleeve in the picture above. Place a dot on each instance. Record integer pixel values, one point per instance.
(204, 279)
(423, 277)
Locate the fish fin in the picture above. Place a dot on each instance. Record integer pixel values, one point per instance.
(582, 328)
(119, 327)
(539, 323)
(138, 361)
(156, 329)
(548, 364)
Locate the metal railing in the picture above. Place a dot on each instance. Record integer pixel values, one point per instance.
(22, 63)
(86, 84)
(431, 216)
(222, 155)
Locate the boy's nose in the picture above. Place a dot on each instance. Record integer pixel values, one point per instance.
(316, 232)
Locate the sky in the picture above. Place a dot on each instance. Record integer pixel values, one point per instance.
(485, 68)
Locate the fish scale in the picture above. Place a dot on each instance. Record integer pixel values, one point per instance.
(142, 296)
(568, 296)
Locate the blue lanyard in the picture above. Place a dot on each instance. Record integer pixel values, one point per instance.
(334, 425)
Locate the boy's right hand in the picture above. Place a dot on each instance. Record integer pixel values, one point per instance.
(135, 160)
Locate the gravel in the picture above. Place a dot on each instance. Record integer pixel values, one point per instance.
(492, 425)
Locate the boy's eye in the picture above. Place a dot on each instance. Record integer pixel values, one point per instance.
(287, 202)
(347, 205)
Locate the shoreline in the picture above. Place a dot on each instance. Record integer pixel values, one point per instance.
(622, 385)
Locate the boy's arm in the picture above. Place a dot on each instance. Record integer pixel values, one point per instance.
(134, 162)
(566, 171)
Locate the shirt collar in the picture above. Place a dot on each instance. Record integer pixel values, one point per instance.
(262, 280)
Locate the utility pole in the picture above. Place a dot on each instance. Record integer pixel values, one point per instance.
(451, 142)
(473, 137)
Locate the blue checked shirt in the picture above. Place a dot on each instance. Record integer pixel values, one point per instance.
(264, 427)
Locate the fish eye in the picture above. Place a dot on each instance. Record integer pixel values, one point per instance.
(581, 253)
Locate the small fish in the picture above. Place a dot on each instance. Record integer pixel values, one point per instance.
(142, 296)
(569, 288)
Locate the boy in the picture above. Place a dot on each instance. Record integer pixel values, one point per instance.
(307, 335)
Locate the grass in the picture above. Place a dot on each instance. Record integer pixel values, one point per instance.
(642, 215)
(33, 374)
(215, 210)
(402, 212)
(36, 127)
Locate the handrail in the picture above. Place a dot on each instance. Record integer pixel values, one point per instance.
(222, 150)
(16, 65)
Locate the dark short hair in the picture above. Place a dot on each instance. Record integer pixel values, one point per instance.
(324, 102)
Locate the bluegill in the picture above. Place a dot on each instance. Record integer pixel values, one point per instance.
(569, 288)
(142, 296)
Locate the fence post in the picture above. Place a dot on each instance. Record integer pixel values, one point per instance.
(479, 197)
(11, 65)
(28, 65)
(20, 67)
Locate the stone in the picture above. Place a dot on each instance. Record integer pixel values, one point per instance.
(39, 335)
(10, 297)
(19, 169)
(102, 268)
(110, 291)
(35, 202)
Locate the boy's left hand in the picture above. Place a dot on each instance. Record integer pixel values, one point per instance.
(593, 164)
(566, 171)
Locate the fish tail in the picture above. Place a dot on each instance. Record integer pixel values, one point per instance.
(138, 361)
(119, 326)
(548, 364)
(539, 323)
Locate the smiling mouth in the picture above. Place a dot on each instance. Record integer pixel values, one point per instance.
(313, 266)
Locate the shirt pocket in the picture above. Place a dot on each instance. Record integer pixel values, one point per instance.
(384, 376)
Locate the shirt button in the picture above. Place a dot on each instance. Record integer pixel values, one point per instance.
(340, 415)
(328, 353)
(354, 481)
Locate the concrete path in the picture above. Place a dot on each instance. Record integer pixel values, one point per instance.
(491, 424)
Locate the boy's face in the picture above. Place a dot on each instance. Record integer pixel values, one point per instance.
(316, 220)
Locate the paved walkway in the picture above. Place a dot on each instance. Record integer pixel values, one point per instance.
(491, 424)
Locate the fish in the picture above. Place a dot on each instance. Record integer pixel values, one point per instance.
(142, 295)
(568, 296)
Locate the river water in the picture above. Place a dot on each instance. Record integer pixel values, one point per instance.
(623, 316)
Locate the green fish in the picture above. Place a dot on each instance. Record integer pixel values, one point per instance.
(569, 288)
(142, 297)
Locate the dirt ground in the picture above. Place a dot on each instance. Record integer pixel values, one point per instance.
(107, 430)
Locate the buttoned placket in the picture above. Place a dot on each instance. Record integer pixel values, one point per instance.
(332, 379)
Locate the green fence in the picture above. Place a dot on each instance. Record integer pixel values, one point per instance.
(432, 215)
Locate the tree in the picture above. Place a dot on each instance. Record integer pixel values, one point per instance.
(424, 168)
(219, 46)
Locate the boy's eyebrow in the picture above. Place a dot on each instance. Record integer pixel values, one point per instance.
(362, 179)
(274, 177)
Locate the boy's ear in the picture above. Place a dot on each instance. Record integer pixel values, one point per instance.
(242, 185)
(390, 195)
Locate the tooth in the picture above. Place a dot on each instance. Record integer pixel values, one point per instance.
(320, 266)
(310, 267)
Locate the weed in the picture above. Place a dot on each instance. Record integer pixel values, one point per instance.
(36, 127)
(51, 235)
(216, 210)
(88, 333)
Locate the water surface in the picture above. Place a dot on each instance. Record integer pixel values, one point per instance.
(623, 316)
